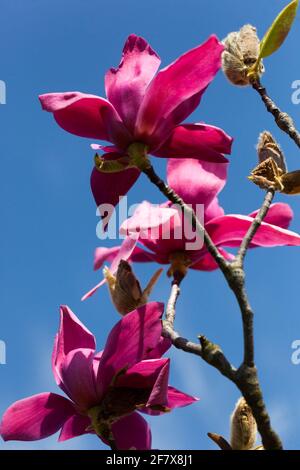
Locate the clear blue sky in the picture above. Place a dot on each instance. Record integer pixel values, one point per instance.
(47, 235)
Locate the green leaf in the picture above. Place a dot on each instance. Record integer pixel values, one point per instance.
(279, 30)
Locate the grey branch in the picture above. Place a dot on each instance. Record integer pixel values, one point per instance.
(245, 377)
(283, 120)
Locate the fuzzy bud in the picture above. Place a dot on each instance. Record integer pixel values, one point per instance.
(243, 427)
(240, 55)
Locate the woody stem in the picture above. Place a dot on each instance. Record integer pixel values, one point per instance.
(245, 377)
(282, 119)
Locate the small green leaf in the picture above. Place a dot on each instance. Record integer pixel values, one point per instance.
(279, 30)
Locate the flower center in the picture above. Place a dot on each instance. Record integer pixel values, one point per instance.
(180, 263)
(134, 157)
(117, 403)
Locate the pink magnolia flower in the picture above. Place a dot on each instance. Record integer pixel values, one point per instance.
(156, 229)
(147, 107)
(104, 390)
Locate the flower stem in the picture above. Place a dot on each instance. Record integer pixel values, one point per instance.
(282, 119)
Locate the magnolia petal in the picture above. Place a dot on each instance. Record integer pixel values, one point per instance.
(124, 253)
(208, 263)
(199, 141)
(35, 417)
(177, 83)
(126, 85)
(77, 375)
(132, 432)
(177, 399)
(146, 217)
(103, 255)
(195, 181)
(130, 341)
(159, 393)
(229, 230)
(109, 188)
(213, 210)
(86, 116)
(72, 334)
(75, 426)
(279, 214)
(163, 346)
(142, 375)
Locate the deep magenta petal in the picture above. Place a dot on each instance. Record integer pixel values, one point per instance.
(86, 116)
(126, 85)
(72, 334)
(229, 230)
(132, 433)
(279, 214)
(75, 426)
(109, 188)
(130, 341)
(177, 84)
(35, 417)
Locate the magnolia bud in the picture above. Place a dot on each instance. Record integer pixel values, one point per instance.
(243, 427)
(240, 55)
(125, 289)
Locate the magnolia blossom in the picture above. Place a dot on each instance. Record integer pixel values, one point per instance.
(104, 390)
(146, 107)
(159, 233)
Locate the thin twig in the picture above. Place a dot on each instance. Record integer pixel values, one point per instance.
(255, 226)
(283, 120)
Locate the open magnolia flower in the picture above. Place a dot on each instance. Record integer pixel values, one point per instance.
(144, 107)
(105, 390)
(159, 233)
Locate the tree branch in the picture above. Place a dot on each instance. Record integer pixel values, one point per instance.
(245, 378)
(283, 120)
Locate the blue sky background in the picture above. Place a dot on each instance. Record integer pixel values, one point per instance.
(47, 234)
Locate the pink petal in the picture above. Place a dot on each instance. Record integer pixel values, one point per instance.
(109, 188)
(279, 214)
(86, 116)
(142, 375)
(139, 255)
(179, 82)
(162, 347)
(75, 426)
(126, 85)
(200, 141)
(148, 216)
(35, 417)
(72, 334)
(124, 253)
(77, 375)
(213, 210)
(177, 399)
(195, 181)
(159, 394)
(132, 432)
(130, 341)
(207, 262)
(103, 255)
(229, 230)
